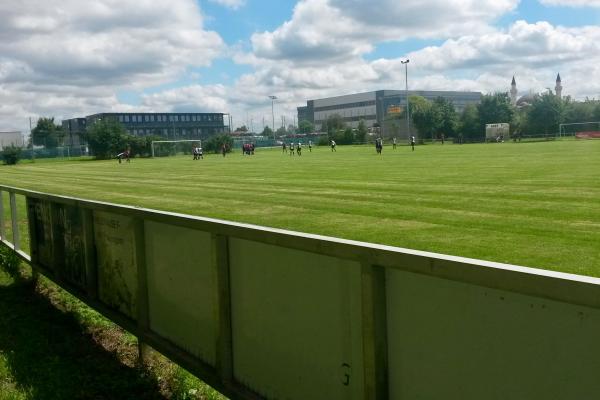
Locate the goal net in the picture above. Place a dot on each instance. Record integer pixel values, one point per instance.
(166, 148)
(581, 130)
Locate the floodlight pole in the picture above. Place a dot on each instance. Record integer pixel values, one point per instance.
(273, 98)
(407, 103)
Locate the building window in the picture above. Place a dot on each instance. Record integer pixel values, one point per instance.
(126, 118)
(120, 118)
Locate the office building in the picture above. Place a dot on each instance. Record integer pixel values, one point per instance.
(376, 107)
(170, 126)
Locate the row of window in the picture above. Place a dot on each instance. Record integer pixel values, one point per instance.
(370, 117)
(169, 118)
(346, 105)
(173, 132)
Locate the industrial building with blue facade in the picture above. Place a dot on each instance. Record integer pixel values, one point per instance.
(375, 108)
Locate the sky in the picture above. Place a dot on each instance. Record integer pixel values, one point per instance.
(71, 58)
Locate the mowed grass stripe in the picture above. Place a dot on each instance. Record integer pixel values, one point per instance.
(532, 204)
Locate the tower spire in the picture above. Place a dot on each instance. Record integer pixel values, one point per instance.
(558, 87)
(513, 92)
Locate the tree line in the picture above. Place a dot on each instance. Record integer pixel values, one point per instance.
(541, 116)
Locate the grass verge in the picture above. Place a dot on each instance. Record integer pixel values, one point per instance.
(52, 346)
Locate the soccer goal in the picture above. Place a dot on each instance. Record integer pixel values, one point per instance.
(165, 148)
(582, 130)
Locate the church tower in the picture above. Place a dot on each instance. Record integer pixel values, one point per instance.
(558, 88)
(513, 92)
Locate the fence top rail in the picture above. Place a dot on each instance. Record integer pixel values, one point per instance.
(578, 289)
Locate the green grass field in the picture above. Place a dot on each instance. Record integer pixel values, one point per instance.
(532, 204)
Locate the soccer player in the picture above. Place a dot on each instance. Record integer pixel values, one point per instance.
(200, 153)
(378, 145)
(292, 149)
(333, 145)
(299, 148)
(310, 146)
(394, 143)
(412, 142)
(283, 147)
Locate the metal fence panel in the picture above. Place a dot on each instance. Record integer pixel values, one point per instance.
(117, 268)
(454, 340)
(263, 313)
(295, 322)
(182, 289)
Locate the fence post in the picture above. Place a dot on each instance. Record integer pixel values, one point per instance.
(143, 315)
(33, 243)
(224, 336)
(15, 222)
(374, 331)
(91, 267)
(2, 230)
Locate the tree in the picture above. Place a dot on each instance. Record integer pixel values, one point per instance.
(215, 143)
(469, 124)
(142, 145)
(545, 114)
(445, 120)
(495, 108)
(268, 132)
(281, 131)
(347, 137)
(421, 115)
(107, 138)
(46, 133)
(576, 111)
(333, 124)
(361, 131)
(596, 113)
(305, 126)
(242, 128)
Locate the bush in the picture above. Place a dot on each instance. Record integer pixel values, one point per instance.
(9, 261)
(11, 155)
(323, 141)
(215, 143)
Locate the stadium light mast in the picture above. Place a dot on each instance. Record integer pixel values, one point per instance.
(407, 106)
(273, 98)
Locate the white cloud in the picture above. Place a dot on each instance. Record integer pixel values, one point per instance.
(195, 98)
(536, 45)
(572, 3)
(322, 31)
(93, 50)
(233, 4)
(534, 52)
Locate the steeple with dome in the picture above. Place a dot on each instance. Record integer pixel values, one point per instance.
(527, 99)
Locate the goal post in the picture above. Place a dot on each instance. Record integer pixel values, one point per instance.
(154, 142)
(591, 129)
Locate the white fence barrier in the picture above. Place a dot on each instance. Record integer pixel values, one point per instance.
(263, 313)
